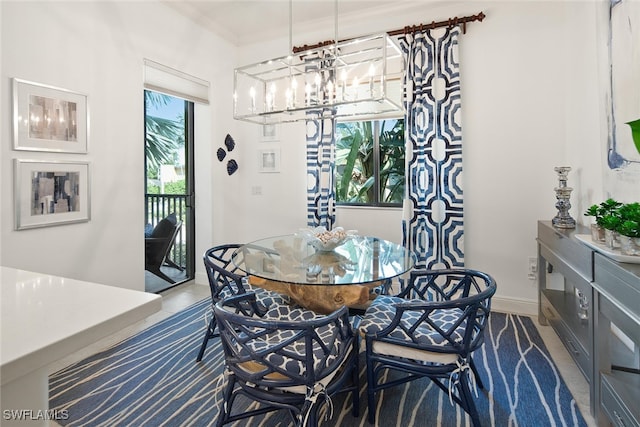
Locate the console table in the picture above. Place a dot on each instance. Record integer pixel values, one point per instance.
(45, 318)
(593, 304)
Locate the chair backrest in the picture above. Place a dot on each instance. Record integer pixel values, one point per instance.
(281, 347)
(225, 279)
(165, 233)
(454, 302)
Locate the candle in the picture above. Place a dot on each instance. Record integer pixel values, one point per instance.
(308, 91)
(294, 88)
(372, 72)
(273, 96)
(288, 98)
(343, 77)
(235, 102)
(268, 101)
(252, 94)
(330, 91)
(356, 82)
(318, 81)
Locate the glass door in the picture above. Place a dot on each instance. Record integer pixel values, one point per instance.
(169, 176)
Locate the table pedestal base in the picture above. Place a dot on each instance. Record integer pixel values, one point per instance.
(322, 299)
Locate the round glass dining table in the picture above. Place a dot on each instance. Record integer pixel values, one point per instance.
(323, 280)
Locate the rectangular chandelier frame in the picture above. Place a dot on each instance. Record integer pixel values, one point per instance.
(363, 78)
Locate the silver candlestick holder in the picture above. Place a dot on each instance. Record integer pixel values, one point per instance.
(563, 196)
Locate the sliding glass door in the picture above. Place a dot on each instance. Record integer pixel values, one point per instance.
(169, 178)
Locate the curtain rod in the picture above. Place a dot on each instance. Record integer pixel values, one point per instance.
(408, 29)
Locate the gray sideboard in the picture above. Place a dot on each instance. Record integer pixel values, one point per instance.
(593, 304)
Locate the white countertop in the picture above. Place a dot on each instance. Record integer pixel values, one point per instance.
(45, 318)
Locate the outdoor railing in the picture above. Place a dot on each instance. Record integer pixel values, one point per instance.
(158, 206)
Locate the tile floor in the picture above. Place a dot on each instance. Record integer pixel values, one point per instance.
(177, 298)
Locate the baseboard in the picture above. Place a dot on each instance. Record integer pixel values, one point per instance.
(201, 279)
(514, 305)
(501, 304)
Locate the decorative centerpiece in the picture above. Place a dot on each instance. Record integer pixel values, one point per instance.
(324, 240)
(563, 195)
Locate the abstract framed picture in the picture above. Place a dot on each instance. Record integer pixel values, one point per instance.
(269, 160)
(50, 193)
(624, 53)
(47, 118)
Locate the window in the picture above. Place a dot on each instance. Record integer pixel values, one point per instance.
(370, 162)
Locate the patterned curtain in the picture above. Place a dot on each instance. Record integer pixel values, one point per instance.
(320, 151)
(320, 166)
(433, 211)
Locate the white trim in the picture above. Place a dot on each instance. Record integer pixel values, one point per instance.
(160, 78)
(514, 305)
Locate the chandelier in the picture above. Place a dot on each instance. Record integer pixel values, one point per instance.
(355, 77)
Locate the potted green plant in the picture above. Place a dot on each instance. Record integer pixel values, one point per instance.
(610, 221)
(629, 229)
(597, 230)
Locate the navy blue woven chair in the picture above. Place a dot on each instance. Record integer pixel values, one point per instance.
(429, 330)
(285, 358)
(225, 279)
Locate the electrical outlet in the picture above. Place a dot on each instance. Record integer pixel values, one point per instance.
(256, 190)
(532, 268)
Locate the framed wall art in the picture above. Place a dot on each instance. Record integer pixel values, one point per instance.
(269, 133)
(50, 193)
(624, 116)
(269, 160)
(47, 118)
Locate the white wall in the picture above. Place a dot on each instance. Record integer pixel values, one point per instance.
(97, 48)
(530, 103)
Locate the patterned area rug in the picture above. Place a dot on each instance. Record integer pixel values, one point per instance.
(152, 379)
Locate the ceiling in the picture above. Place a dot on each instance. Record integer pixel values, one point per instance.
(244, 21)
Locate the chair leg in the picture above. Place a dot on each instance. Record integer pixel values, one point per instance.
(467, 399)
(161, 275)
(170, 263)
(225, 409)
(355, 376)
(476, 374)
(371, 394)
(208, 334)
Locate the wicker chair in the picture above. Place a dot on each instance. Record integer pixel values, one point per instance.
(225, 279)
(285, 358)
(429, 330)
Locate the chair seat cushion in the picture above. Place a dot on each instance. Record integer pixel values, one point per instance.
(290, 359)
(265, 297)
(411, 329)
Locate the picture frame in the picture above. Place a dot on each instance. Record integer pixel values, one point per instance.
(624, 54)
(48, 193)
(269, 160)
(269, 133)
(48, 118)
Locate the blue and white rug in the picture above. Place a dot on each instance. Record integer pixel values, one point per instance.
(152, 379)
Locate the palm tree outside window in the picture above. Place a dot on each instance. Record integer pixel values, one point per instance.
(370, 163)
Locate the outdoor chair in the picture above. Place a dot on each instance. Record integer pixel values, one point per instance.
(157, 247)
(285, 358)
(430, 329)
(225, 280)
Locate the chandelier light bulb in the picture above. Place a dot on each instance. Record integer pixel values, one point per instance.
(252, 95)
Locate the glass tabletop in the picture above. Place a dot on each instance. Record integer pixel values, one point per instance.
(291, 259)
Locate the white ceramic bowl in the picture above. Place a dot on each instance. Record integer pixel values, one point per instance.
(326, 241)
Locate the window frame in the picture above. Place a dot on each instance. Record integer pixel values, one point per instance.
(376, 122)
